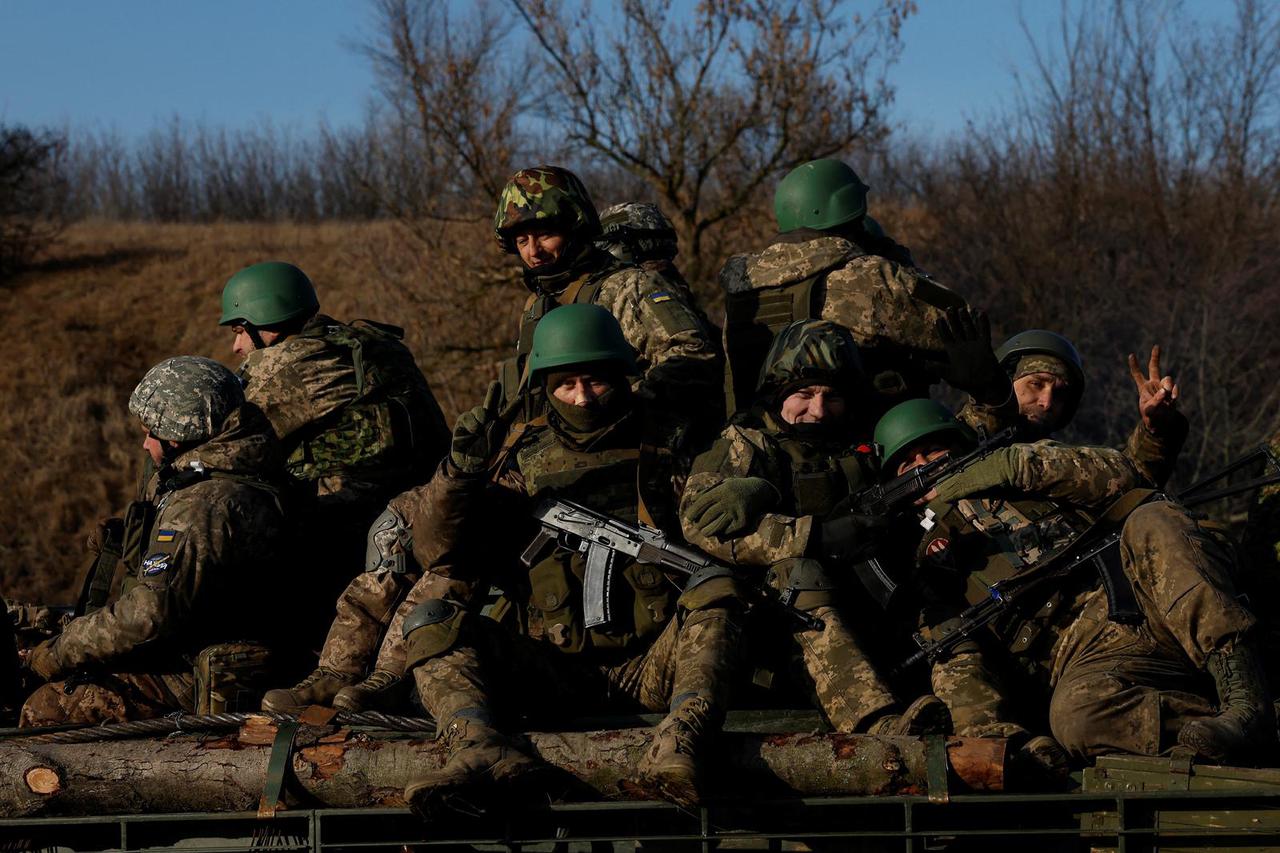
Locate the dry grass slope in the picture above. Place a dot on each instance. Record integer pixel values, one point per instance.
(112, 299)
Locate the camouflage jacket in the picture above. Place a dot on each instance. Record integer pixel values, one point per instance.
(891, 309)
(678, 357)
(1154, 454)
(355, 415)
(811, 478)
(472, 529)
(207, 571)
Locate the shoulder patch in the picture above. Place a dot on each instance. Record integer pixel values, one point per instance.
(166, 535)
(155, 564)
(659, 296)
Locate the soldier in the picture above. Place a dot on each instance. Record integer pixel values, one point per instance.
(546, 217)
(1048, 384)
(359, 425)
(661, 649)
(764, 496)
(1110, 686)
(202, 562)
(827, 265)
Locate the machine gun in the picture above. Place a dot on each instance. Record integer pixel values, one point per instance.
(602, 537)
(899, 495)
(1098, 547)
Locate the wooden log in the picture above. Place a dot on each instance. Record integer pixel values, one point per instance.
(341, 769)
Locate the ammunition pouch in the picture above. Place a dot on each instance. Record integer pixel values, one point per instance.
(709, 586)
(803, 583)
(232, 678)
(389, 545)
(430, 630)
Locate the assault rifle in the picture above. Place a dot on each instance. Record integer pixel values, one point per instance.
(602, 537)
(899, 495)
(1098, 548)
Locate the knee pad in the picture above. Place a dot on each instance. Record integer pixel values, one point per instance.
(714, 585)
(803, 583)
(389, 545)
(430, 630)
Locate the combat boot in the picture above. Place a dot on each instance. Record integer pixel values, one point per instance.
(378, 692)
(669, 767)
(1244, 725)
(928, 715)
(484, 769)
(318, 688)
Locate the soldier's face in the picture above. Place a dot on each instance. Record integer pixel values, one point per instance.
(243, 344)
(1042, 399)
(154, 446)
(922, 454)
(813, 404)
(540, 246)
(581, 389)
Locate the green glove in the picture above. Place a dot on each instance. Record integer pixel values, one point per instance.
(478, 434)
(731, 507)
(990, 472)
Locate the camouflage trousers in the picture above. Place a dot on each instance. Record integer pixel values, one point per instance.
(839, 674)
(1127, 688)
(366, 608)
(114, 698)
(508, 675)
(391, 654)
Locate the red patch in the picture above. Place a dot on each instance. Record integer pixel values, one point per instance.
(937, 546)
(864, 448)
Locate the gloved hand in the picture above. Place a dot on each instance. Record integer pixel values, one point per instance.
(478, 434)
(730, 507)
(42, 661)
(971, 363)
(990, 472)
(844, 536)
(107, 530)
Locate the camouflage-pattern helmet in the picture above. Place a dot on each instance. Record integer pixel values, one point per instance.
(548, 195)
(268, 294)
(578, 334)
(819, 194)
(810, 352)
(637, 231)
(909, 422)
(186, 398)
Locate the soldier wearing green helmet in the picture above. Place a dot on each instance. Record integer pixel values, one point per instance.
(606, 448)
(546, 217)
(1103, 685)
(767, 496)
(830, 263)
(210, 530)
(358, 424)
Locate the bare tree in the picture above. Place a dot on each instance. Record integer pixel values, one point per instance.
(707, 108)
(32, 193)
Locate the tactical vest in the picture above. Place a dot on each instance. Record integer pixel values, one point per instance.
(752, 319)
(997, 539)
(626, 483)
(820, 480)
(386, 430)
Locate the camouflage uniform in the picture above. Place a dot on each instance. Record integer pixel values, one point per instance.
(1113, 687)
(359, 424)
(679, 359)
(891, 309)
(216, 530)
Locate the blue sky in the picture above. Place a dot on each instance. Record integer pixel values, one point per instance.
(130, 63)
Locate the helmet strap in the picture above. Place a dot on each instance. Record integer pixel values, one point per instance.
(252, 332)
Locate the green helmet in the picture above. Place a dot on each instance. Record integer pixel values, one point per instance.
(637, 231)
(819, 194)
(186, 398)
(546, 194)
(577, 334)
(810, 352)
(908, 422)
(1042, 342)
(268, 294)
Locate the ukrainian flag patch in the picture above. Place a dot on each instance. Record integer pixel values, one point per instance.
(660, 297)
(165, 535)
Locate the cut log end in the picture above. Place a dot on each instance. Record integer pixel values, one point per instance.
(43, 780)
